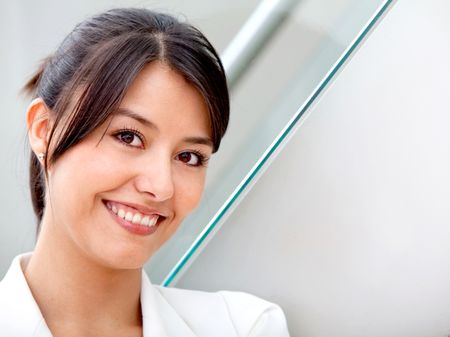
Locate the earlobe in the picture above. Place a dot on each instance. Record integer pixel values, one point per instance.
(38, 125)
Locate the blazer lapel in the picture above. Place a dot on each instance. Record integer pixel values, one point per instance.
(159, 318)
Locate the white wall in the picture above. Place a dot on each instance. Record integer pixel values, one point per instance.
(349, 228)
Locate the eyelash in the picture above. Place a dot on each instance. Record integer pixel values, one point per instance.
(131, 130)
(202, 158)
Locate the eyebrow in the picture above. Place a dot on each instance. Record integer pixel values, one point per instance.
(136, 116)
(199, 140)
(192, 140)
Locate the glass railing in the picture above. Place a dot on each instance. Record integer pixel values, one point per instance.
(271, 98)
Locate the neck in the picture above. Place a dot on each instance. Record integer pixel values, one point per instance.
(62, 276)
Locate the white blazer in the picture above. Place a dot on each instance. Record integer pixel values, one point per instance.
(166, 312)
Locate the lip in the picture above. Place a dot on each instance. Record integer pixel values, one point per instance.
(135, 228)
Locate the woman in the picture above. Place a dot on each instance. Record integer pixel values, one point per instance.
(125, 116)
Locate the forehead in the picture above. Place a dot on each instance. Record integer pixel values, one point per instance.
(163, 96)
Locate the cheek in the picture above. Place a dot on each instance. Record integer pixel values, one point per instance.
(189, 192)
(78, 176)
(70, 189)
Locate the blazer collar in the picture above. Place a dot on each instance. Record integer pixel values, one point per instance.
(22, 314)
(159, 318)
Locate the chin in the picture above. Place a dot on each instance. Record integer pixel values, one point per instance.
(125, 259)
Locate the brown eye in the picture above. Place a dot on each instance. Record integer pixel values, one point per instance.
(189, 158)
(130, 138)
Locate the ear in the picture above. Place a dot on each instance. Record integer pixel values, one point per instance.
(38, 125)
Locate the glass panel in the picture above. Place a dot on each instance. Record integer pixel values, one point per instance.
(296, 65)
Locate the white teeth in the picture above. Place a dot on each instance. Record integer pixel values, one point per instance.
(152, 222)
(129, 216)
(136, 218)
(145, 220)
(121, 213)
(149, 221)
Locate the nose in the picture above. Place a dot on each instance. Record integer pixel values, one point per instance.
(155, 178)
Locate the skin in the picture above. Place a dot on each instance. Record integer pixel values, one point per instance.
(83, 255)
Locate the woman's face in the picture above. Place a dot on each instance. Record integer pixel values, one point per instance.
(117, 198)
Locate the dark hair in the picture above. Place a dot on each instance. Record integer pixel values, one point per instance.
(99, 60)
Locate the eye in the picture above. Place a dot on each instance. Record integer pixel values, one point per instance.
(191, 158)
(130, 138)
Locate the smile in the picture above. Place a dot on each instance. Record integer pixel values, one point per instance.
(133, 220)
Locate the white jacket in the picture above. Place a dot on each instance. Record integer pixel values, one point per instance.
(166, 312)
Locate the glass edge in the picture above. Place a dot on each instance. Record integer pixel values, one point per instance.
(277, 142)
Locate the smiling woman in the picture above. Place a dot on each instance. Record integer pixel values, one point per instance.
(139, 168)
(125, 116)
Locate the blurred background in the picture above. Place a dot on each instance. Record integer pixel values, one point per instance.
(329, 195)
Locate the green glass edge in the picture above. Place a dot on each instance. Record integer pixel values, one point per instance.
(320, 88)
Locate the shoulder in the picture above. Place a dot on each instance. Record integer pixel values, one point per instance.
(248, 315)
